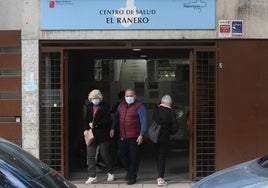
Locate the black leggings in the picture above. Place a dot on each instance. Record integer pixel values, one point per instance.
(162, 151)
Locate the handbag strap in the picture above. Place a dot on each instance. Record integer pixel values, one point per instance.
(158, 120)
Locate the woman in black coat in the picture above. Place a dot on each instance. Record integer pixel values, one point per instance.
(98, 119)
(166, 116)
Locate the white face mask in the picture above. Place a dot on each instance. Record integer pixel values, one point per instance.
(129, 100)
(95, 101)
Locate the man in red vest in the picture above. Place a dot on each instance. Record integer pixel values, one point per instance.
(131, 118)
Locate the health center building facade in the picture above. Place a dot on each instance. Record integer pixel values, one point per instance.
(209, 55)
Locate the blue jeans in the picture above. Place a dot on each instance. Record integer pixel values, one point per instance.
(129, 154)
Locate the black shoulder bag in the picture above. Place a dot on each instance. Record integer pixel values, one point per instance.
(154, 130)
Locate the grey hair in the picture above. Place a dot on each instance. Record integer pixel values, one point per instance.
(166, 99)
(95, 93)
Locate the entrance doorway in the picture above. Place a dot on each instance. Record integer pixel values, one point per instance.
(160, 72)
(69, 70)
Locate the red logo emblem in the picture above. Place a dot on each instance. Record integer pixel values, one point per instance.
(51, 3)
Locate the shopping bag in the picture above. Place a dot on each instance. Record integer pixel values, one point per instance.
(88, 135)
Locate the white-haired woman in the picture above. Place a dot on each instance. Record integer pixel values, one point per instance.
(165, 115)
(98, 119)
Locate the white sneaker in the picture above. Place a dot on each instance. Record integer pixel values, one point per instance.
(161, 182)
(91, 180)
(110, 177)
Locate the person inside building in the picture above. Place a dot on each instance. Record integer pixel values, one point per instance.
(114, 148)
(166, 116)
(188, 120)
(131, 117)
(99, 120)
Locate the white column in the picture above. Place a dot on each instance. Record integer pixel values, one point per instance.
(30, 96)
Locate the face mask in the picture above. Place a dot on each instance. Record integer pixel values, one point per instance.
(129, 100)
(95, 101)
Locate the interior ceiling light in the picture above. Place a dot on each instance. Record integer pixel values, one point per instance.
(143, 55)
(136, 49)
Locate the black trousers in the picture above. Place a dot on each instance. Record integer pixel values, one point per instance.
(162, 149)
(129, 153)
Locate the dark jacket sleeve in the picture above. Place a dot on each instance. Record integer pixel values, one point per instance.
(156, 115)
(86, 119)
(174, 124)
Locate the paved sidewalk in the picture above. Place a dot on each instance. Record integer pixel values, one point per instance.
(137, 185)
(176, 174)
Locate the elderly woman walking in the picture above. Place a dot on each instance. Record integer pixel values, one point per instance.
(98, 119)
(169, 125)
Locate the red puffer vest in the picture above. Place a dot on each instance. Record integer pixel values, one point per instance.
(129, 122)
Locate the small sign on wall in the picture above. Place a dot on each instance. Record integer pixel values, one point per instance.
(237, 28)
(230, 28)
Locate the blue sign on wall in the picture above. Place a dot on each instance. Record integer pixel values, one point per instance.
(127, 14)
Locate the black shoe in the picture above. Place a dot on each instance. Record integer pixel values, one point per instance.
(127, 177)
(131, 181)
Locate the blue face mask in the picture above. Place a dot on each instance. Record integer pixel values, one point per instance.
(129, 100)
(95, 101)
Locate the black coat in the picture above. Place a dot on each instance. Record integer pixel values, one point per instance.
(101, 122)
(169, 124)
